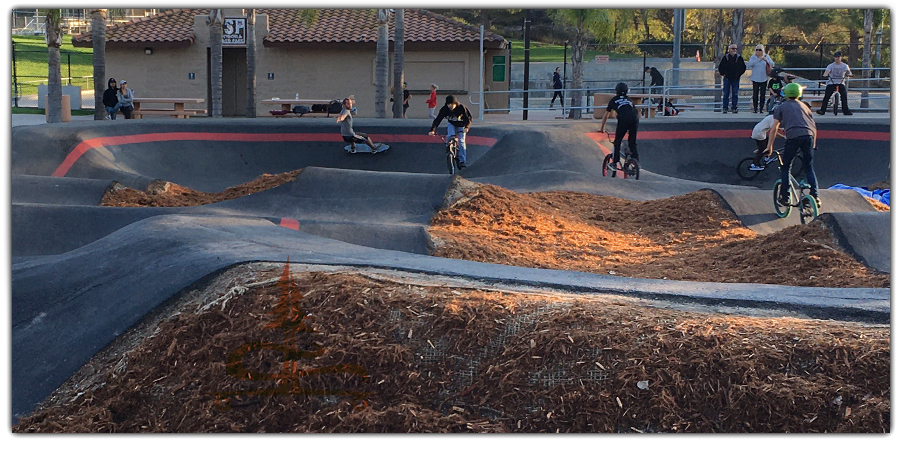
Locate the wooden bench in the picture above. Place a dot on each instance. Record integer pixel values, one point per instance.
(602, 100)
(288, 104)
(177, 110)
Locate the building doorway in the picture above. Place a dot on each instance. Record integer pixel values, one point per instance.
(234, 82)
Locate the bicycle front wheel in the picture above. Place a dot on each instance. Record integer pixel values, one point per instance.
(452, 160)
(781, 210)
(606, 166)
(808, 209)
(744, 171)
(633, 168)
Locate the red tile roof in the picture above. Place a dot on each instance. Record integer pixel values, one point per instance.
(175, 28)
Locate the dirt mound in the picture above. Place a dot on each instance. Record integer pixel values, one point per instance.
(166, 194)
(390, 356)
(691, 237)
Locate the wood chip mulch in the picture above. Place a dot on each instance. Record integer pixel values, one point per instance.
(396, 357)
(690, 237)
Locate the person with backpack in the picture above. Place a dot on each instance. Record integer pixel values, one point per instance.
(626, 122)
(458, 122)
(800, 132)
(557, 87)
(731, 68)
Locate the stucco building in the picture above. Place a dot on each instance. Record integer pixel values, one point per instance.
(167, 55)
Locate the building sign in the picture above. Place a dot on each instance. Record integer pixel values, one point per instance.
(234, 31)
(601, 59)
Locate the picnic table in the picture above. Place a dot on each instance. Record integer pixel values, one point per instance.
(601, 100)
(177, 110)
(288, 104)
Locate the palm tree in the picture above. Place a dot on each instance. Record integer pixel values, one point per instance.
(381, 62)
(98, 37)
(251, 63)
(398, 63)
(54, 76)
(215, 61)
(582, 22)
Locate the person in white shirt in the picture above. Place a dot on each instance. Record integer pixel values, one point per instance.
(836, 72)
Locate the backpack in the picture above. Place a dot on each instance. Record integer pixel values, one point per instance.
(320, 107)
(300, 109)
(335, 106)
(670, 109)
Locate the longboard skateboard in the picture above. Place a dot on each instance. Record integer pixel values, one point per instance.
(363, 148)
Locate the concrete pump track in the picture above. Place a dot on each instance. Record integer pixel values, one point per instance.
(84, 274)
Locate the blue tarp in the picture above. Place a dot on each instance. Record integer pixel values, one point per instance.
(881, 195)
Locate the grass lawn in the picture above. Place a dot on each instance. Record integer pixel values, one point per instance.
(31, 62)
(38, 111)
(543, 52)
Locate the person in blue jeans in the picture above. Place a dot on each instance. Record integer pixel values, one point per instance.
(800, 132)
(111, 99)
(458, 121)
(731, 68)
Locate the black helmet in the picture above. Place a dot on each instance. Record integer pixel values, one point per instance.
(621, 88)
(774, 72)
(451, 99)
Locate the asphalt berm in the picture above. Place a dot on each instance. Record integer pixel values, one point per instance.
(613, 304)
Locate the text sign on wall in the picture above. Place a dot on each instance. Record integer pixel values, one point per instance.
(234, 31)
(601, 59)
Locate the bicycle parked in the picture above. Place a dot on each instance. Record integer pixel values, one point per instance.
(627, 165)
(798, 198)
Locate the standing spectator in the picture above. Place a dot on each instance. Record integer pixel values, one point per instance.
(432, 101)
(110, 98)
(731, 68)
(836, 72)
(758, 75)
(557, 86)
(656, 80)
(405, 99)
(126, 99)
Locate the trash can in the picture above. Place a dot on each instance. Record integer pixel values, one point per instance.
(66, 108)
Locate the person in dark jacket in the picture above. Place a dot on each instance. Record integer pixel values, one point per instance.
(110, 99)
(731, 68)
(656, 80)
(626, 122)
(557, 87)
(458, 122)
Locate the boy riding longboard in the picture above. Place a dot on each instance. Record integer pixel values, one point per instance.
(345, 119)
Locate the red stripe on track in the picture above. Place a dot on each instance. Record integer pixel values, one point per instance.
(108, 141)
(599, 137)
(741, 133)
(290, 223)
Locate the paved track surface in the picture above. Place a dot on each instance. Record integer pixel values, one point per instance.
(83, 274)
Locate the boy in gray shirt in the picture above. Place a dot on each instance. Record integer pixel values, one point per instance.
(345, 119)
(800, 132)
(835, 73)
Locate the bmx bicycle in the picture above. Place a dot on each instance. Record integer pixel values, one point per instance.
(452, 147)
(797, 198)
(836, 96)
(627, 165)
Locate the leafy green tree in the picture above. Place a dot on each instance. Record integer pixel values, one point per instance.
(582, 23)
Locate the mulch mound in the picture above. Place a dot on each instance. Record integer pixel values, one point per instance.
(167, 194)
(691, 237)
(384, 356)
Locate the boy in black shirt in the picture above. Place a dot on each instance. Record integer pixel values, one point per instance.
(626, 121)
(458, 121)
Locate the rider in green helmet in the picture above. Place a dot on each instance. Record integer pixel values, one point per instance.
(800, 132)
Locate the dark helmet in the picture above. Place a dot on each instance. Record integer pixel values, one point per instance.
(774, 72)
(621, 88)
(451, 99)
